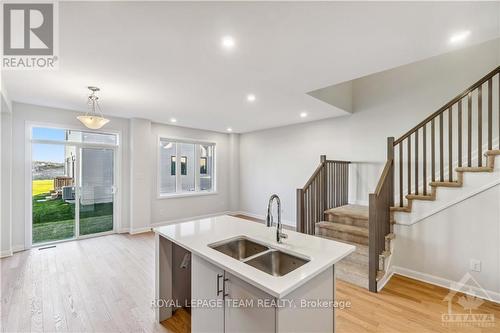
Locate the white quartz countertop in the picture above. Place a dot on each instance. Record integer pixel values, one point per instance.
(195, 236)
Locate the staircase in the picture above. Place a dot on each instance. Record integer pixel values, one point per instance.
(456, 140)
(349, 224)
(433, 157)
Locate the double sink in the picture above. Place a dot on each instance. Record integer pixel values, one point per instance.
(262, 257)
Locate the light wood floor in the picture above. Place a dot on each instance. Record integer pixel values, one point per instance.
(106, 284)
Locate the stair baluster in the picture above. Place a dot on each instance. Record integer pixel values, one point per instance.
(327, 188)
(379, 211)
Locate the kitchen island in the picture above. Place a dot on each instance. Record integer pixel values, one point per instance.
(237, 278)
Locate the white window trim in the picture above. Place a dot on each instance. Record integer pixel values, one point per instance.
(178, 193)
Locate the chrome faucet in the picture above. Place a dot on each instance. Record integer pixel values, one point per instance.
(269, 218)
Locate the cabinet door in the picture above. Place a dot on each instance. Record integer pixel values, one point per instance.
(246, 318)
(205, 279)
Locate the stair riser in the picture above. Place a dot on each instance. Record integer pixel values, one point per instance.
(357, 258)
(348, 220)
(351, 278)
(342, 235)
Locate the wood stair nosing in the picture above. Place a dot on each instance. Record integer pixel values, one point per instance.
(423, 197)
(474, 169)
(446, 184)
(405, 209)
(493, 152)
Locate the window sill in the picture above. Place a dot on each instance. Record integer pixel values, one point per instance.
(185, 195)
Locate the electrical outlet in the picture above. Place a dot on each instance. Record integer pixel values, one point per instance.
(475, 265)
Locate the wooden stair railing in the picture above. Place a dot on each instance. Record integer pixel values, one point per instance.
(379, 225)
(327, 188)
(427, 155)
(447, 139)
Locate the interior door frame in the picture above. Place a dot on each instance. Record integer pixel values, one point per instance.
(117, 196)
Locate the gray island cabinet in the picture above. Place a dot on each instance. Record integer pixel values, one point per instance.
(232, 295)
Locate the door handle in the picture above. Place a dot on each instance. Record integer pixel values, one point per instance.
(224, 288)
(218, 285)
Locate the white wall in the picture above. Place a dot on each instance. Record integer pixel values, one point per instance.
(5, 177)
(171, 209)
(439, 248)
(148, 209)
(25, 113)
(385, 104)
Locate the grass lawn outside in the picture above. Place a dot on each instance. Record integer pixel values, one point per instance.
(55, 219)
(58, 230)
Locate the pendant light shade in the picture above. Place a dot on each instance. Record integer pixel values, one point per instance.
(93, 122)
(94, 118)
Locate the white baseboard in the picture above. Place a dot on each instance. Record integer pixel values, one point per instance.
(381, 284)
(140, 230)
(10, 252)
(18, 248)
(445, 283)
(5, 253)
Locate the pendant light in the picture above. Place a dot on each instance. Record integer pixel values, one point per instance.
(94, 118)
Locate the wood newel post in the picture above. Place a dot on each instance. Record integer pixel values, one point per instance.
(300, 210)
(372, 239)
(390, 157)
(324, 184)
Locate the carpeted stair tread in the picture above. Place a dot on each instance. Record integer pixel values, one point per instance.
(345, 228)
(354, 211)
(352, 273)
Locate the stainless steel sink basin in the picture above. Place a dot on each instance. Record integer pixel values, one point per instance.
(276, 263)
(239, 248)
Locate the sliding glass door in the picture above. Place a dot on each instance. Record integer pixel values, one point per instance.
(72, 184)
(52, 192)
(96, 190)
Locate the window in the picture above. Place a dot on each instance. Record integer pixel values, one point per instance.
(196, 164)
(203, 165)
(56, 134)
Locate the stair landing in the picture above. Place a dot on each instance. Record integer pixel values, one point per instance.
(354, 211)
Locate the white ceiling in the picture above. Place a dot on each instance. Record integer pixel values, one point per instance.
(159, 60)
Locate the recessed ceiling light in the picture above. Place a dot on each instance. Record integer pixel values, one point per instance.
(229, 129)
(303, 114)
(228, 42)
(173, 120)
(251, 97)
(459, 37)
